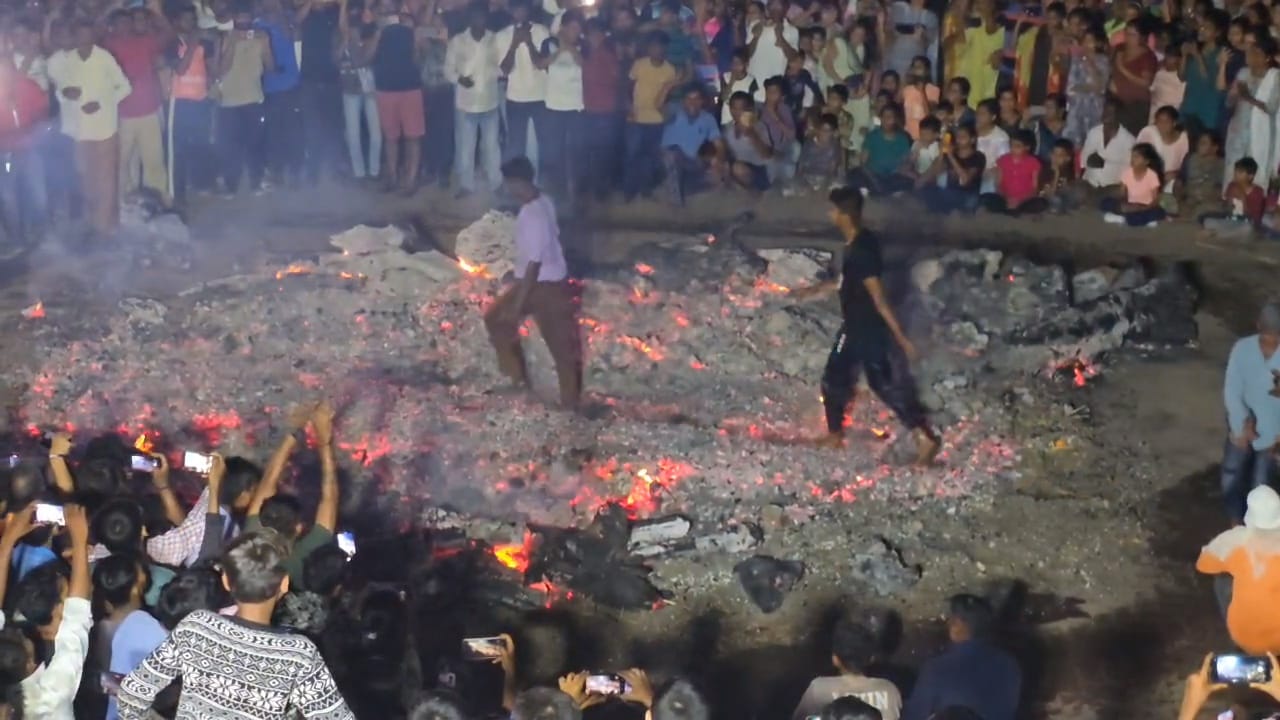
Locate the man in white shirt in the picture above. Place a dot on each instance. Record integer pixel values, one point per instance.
(519, 45)
(773, 42)
(90, 87)
(471, 64)
(1106, 150)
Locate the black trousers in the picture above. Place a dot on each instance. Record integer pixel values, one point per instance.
(192, 154)
(285, 134)
(322, 128)
(893, 386)
(437, 146)
(996, 203)
(241, 142)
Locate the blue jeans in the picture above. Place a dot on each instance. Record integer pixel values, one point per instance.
(1243, 469)
(562, 153)
(602, 135)
(466, 128)
(643, 158)
(24, 199)
(948, 200)
(353, 107)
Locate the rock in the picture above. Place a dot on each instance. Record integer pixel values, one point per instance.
(767, 580)
(738, 539)
(143, 311)
(363, 239)
(925, 273)
(881, 567)
(795, 268)
(488, 243)
(773, 516)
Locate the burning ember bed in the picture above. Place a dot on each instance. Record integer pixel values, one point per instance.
(705, 371)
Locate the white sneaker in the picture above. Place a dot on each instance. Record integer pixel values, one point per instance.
(1113, 218)
(1153, 223)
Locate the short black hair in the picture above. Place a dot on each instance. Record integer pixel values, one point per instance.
(114, 578)
(26, 485)
(1023, 136)
(325, 569)
(944, 106)
(776, 81)
(38, 593)
(254, 565)
(544, 704)
(847, 200)
(437, 706)
(929, 122)
(829, 120)
(118, 525)
(1247, 165)
(657, 37)
(1065, 144)
(853, 644)
(1214, 138)
(98, 480)
(192, 589)
(840, 90)
(990, 105)
(242, 476)
(741, 96)
(518, 168)
(962, 84)
(974, 612)
(1168, 111)
(281, 513)
(850, 708)
(680, 701)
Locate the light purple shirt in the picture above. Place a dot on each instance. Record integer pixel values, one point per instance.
(538, 240)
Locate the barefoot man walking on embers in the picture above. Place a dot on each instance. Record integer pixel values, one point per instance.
(863, 342)
(541, 289)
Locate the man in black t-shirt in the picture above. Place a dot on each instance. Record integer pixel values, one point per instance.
(867, 334)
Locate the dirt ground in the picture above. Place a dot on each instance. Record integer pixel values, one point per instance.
(1103, 535)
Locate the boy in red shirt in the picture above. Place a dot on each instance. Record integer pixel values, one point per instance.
(1017, 180)
(1244, 203)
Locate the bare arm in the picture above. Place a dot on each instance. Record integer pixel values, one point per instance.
(327, 509)
(78, 529)
(58, 450)
(16, 527)
(160, 481)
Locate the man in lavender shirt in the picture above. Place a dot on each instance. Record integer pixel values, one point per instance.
(541, 289)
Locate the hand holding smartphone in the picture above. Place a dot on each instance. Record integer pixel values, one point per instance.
(483, 648)
(607, 684)
(49, 514)
(199, 463)
(1239, 669)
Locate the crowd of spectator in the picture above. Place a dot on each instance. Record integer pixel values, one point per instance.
(1142, 112)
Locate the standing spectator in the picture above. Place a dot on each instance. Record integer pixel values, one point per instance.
(191, 58)
(1106, 150)
(282, 105)
(853, 649)
(1253, 412)
(602, 115)
(911, 29)
(399, 88)
(1134, 69)
(737, 79)
(919, 95)
(1203, 100)
(981, 51)
(561, 57)
(1087, 82)
(244, 57)
(520, 47)
(471, 64)
(652, 80)
(138, 49)
(836, 63)
(774, 41)
(24, 202)
(1254, 98)
(318, 22)
(437, 96)
(358, 95)
(973, 673)
(1168, 87)
(246, 666)
(90, 87)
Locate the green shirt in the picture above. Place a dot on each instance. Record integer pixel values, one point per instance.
(311, 540)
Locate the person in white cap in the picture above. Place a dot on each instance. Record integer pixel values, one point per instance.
(1251, 394)
(1246, 561)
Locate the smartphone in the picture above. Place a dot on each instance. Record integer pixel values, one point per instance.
(1236, 669)
(13, 461)
(197, 462)
(484, 648)
(47, 514)
(347, 542)
(607, 684)
(143, 463)
(1227, 715)
(110, 682)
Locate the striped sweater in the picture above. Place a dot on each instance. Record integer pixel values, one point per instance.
(233, 669)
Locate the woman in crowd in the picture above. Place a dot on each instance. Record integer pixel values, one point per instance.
(910, 30)
(358, 100)
(1169, 139)
(1253, 100)
(1087, 83)
(1135, 67)
(954, 24)
(979, 52)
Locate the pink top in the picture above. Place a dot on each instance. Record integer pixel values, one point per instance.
(1171, 154)
(1166, 89)
(1140, 190)
(1019, 177)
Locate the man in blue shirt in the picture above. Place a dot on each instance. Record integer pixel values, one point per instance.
(1251, 394)
(972, 673)
(282, 106)
(693, 151)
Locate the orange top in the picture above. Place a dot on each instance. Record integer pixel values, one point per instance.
(194, 83)
(915, 106)
(1252, 619)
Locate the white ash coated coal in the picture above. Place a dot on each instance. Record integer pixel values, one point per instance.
(708, 375)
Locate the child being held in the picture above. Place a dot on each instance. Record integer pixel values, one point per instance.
(1244, 204)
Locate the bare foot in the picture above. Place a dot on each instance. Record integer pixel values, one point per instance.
(830, 441)
(927, 446)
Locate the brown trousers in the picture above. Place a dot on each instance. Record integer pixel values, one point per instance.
(98, 163)
(552, 306)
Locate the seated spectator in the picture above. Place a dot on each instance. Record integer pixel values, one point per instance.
(1107, 149)
(1008, 114)
(836, 105)
(682, 139)
(958, 96)
(1050, 127)
(1170, 142)
(850, 708)
(992, 141)
(853, 649)
(282, 513)
(736, 80)
(1244, 561)
(802, 89)
(884, 151)
(1017, 180)
(922, 161)
(918, 95)
(239, 657)
(776, 117)
(1058, 182)
(821, 164)
(1137, 202)
(750, 146)
(891, 83)
(1244, 204)
(1202, 187)
(1200, 687)
(862, 120)
(960, 168)
(973, 673)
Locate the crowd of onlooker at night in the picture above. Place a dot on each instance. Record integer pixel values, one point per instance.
(1141, 112)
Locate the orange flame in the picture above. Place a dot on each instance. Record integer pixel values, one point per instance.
(765, 285)
(644, 268)
(649, 351)
(514, 556)
(35, 312)
(471, 268)
(144, 444)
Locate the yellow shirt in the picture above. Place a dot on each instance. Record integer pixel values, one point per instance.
(651, 81)
(974, 62)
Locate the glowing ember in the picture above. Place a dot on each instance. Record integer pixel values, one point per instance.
(35, 312)
(1081, 370)
(514, 556)
(144, 443)
(649, 351)
(765, 285)
(294, 269)
(472, 268)
(644, 268)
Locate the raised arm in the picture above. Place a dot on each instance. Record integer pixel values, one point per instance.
(327, 509)
(211, 544)
(160, 481)
(59, 448)
(270, 484)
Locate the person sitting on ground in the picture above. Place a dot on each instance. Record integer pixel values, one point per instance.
(682, 139)
(1202, 186)
(922, 162)
(1050, 127)
(821, 164)
(1058, 182)
(1166, 135)
(776, 116)
(1245, 563)
(884, 151)
(1017, 180)
(1244, 204)
(750, 145)
(282, 513)
(849, 708)
(962, 167)
(958, 95)
(1136, 202)
(992, 141)
(240, 657)
(854, 648)
(1106, 150)
(972, 673)
(862, 120)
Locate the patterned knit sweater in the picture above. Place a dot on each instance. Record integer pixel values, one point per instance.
(232, 669)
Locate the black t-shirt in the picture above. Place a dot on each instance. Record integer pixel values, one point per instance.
(394, 69)
(975, 164)
(862, 320)
(318, 32)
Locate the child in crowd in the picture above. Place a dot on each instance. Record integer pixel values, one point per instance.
(802, 90)
(918, 95)
(1017, 180)
(822, 159)
(1201, 190)
(884, 151)
(960, 169)
(1168, 87)
(861, 119)
(889, 81)
(944, 112)
(884, 99)
(776, 116)
(922, 164)
(1138, 202)
(1058, 182)
(1244, 204)
(737, 80)
(836, 99)
(958, 96)
(993, 142)
(1009, 115)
